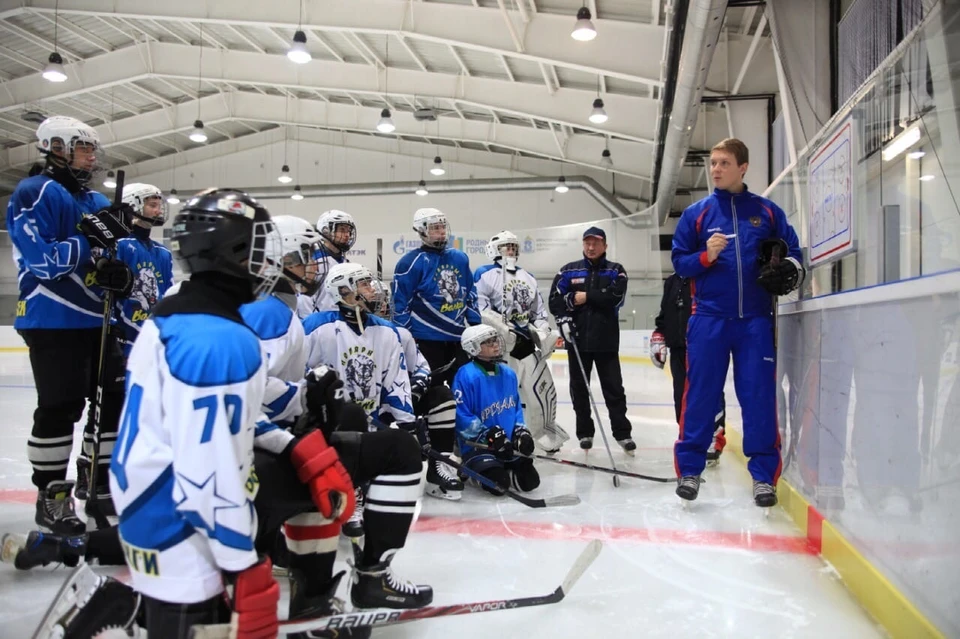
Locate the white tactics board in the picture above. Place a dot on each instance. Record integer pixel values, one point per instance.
(831, 197)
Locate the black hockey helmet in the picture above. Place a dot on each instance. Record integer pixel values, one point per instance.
(227, 231)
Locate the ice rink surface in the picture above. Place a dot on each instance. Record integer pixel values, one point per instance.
(720, 569)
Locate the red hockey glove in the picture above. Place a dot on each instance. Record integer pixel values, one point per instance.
(255, 599)
(658, 349)
(318, 466)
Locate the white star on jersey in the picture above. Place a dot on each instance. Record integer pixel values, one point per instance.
(201, 502)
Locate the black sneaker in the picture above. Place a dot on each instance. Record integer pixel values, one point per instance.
(55, 509)
(764, 494)
(586, 443)
(323, 604)
(42, 548)
(377, 587)
(83, 478)
(688, 487)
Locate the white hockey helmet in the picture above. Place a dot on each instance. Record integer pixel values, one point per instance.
(301, 244)
(432, 227)
(327, 226)
(350, 277)
(60, 134)
(474, 337)
(137, 194)
(498, 243)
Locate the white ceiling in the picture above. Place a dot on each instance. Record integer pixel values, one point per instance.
(505, 75)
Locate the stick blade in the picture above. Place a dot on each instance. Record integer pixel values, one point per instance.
(562, 500)
(584, 561)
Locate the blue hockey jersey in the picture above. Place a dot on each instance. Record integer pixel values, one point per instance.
(181, 475)
(55, 272)
(485, 400)
(152, 266)
(728, 286)
(434, 295)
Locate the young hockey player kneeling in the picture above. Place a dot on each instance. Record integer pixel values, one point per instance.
(490, 424)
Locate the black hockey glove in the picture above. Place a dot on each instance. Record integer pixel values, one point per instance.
(114, 275)
(778, 275)
(523, 441)
(418, 387)
(106, 226)
(499, 445)
(324, 399)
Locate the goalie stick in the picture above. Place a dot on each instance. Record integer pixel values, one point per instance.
(384, 617)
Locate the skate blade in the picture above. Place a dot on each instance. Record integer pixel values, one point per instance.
(11, 544)
(453, 495)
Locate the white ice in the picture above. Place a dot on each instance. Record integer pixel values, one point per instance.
(720, 569)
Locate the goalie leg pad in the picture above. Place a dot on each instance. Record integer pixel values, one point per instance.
(87, 604)
(538, 394)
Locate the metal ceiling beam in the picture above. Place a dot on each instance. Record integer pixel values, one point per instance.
(626, 54)
(83, 34)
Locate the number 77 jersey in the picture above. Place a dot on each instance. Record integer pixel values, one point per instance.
(182, 474)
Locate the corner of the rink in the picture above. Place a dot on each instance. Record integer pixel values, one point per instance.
(880, 598)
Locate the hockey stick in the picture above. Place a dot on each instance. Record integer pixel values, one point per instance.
(596, 413)
(602, 469)
(92, 505)
(547, 502)
(384, 617)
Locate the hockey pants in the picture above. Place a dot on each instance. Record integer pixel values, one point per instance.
(710, 343)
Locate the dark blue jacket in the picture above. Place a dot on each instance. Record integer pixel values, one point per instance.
(728, 287)
(597, 322)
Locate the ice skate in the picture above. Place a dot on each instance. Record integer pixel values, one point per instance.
(586, 443)
(764, 494)
(40, 549)
(442, 480)
(354, 526)
(688, 488)
(629, 446)
(56, 511)
(87, 604)
(377, 586)
(325, 603)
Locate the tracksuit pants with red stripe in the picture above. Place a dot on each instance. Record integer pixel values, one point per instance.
(710, 343)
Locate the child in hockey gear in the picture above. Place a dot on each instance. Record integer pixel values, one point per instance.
(586, 297)
(717, 243)
(490, 423)
(337, 232)
(509, 300)
(182, 478)
(54, 221)
(436, 406)
(671, 333)
(434, 297)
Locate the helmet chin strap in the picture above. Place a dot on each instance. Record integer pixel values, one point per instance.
(510, 263)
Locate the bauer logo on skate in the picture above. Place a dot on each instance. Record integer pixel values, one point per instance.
(496, 408)
(141, 560)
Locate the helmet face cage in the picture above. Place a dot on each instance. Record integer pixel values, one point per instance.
(474, 341)
(434, 231)
(137, 198)
(385, 307)
(499, 243)
(329, 225)
(61, 136)
(360, 282)
(266, 262)
(305, 256)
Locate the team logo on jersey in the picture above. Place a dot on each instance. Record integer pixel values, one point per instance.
(448, 282)
(519, 301)
(146, 290)
(496, 408)
(755, 220)
(358, 368)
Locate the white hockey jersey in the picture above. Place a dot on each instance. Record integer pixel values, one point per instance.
(524, 304)
(281, 334)
(182, 475)
(372, 365)
(417, 365)
(321, 299)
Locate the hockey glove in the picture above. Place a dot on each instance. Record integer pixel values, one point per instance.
(318, 466)
(778, 274)
(255, 598)
(419, 386)
(106, 226)
(114, 275)
(567, 328)
(658, 349)
(523, 441)
(499, 445)
(323, 399)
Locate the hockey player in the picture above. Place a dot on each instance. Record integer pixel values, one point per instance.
(55, 221)
(509, 300)
(490, 424)
(671, 333)
(183, 478)
(434, 296)
(723, 244)
(338, 233)
(435, 404)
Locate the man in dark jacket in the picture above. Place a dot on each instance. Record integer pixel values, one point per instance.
(671, 332)
(585, 298)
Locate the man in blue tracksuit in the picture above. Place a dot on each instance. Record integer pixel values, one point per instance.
(434, 296)
(739, 250)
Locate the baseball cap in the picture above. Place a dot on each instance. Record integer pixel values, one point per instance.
(595, 231)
